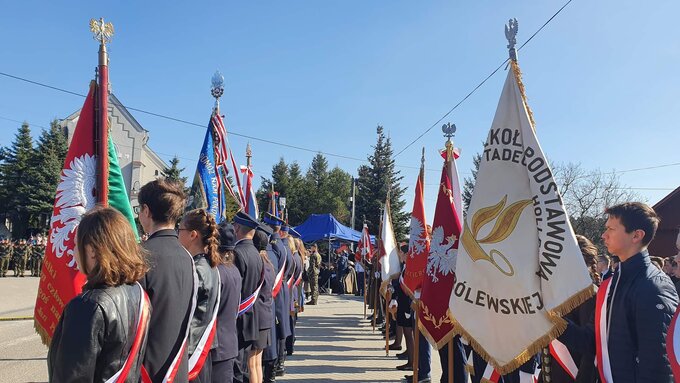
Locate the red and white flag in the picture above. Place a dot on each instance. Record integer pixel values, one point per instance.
(389, 257)
(364, 251)
(434, 320)
(418, 243)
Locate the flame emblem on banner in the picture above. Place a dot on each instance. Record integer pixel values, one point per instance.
(504, 226)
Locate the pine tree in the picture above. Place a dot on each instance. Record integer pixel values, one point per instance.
(374, 182)
(469, 182)
(16, 183)
(174, 172)
(45, 173)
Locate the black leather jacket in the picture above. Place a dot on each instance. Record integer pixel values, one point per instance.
(94, 336)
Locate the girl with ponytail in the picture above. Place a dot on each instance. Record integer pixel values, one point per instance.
(198, 234)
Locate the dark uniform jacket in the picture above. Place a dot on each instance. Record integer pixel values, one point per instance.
(206, 300)
(170, 285)
(249, 264)
(264, 300)
(226, 339)
(641, 312)
(270, 353)
(94, 336)
(282, 311)
(290, 271)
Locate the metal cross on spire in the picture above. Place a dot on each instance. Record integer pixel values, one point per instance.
(511, 35)
(102, 31)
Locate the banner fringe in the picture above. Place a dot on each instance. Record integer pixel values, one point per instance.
(438, 345)
(573, 302)
(522, 357)
(44, 337)
(522, 91)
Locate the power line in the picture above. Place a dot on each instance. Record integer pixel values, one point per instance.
(481, 83)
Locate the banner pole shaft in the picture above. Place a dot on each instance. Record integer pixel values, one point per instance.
(388, 297)
(450, 346)
(416, 343)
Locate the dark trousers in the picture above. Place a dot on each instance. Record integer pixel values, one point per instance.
(241, 374)
(425, 360)
(360, 284)
(223, 371)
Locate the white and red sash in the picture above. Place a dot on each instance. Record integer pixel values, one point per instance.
(560, 353)
(249, 302)
(601, 332)
(289, 282)
(299, 279)
(142, 325)
(197, 359)
(490, 374)
(278, 282)
(673, 345)
(526, 377)
(174, 366)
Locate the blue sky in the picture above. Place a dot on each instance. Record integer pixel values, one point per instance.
(601, 78)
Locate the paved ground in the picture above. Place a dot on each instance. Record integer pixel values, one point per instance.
(334, 343)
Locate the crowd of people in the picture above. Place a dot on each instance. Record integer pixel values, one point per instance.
(638, 295)
(196, 301)
(22, 254)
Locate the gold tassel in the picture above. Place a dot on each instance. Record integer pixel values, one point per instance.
(573, 302)
(520, 84)
(46, 339)
(522, 357)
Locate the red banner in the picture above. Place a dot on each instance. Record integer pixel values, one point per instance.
(434, 320)
(418, 244)
(60, 280)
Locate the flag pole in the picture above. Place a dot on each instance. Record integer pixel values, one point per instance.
(102, 33)
(450, 346)
(376, 298)
(416, 338)
(388, 298)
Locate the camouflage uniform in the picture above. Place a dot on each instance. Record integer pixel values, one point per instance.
(313, 271)
(21, 252)
(5, 256)
(37, 255)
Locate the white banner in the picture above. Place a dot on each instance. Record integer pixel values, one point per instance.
(519, 267)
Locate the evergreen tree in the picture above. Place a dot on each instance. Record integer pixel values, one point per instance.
(469, 182)
(297, 195)
(174, 172)
(45, 173)
(17, 186)
(373, 183)
(280, 182)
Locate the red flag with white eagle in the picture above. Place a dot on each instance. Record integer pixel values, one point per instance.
(434, 321)
(418, 245)
(364, 248)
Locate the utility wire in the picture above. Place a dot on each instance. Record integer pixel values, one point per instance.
(481, 83)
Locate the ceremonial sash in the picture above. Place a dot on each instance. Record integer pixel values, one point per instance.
(526, 377)
(601, 332)
(673, 345)
(174, 366)
(197, 359)
(299, 279)
(289, 282)
(142, 324)
(279, 279)
(490, 374)
(249, 302)
(561, 354)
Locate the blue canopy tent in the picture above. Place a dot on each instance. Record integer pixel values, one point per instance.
(325, 227)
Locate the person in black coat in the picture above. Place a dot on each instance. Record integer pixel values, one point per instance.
(288, 275)
(198, 234)
(226, 343)
(270, 354)
(249, 264)
(264, 305)
(282, 299)
(641, 301)
(97, 330)
(170, 282)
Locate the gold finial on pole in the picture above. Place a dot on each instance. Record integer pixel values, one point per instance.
(449, 131)
(102, 33)
(249, 155)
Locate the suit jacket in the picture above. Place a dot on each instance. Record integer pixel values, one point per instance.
(170, 286)
(226, 338)
(264, 301)
(281, 309)
(270, 353)
(249, 264)
(206, 300)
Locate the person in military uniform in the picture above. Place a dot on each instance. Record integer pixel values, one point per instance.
(37, 256)
(313, 273)
(5, 256)
(20, 257)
